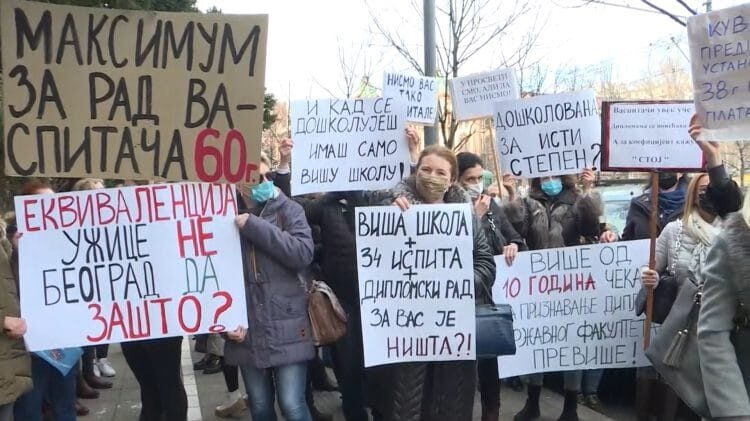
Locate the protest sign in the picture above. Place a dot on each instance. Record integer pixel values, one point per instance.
(648, 135)
(472, 96)
(720, 59)
(353, 144)
(126, 264)
(574, 307)
(416, 283)
(548, 135)
(419, 92)
(140, 95)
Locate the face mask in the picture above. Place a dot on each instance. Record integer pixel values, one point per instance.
(475, 190)
(705, 204)
(261, 193)
(431, 188)
(667, 180)
(552, 187)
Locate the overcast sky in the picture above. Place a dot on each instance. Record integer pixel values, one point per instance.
(305, 37)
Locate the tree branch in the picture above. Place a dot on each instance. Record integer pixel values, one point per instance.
(664, 12)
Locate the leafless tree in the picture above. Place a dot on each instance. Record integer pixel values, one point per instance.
(356, 67)
(464, 29)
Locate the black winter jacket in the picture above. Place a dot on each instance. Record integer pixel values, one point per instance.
(499, 231)
(723, 192)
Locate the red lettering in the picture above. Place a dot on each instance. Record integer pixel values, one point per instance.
(66, 207)
(158, 205)
(27, 203)
(46, 214)
(181, 314)
(162, 313)
(143, 331)
(103, 203)
(203, 236)
(179, 201)
(116, 320)
(182, 237)
(98, 317)
(122, 208)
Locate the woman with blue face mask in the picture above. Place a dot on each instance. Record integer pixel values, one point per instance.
(277, 245)
(557, 214)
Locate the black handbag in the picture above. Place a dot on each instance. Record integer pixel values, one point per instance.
(665, 293)
(494, 332)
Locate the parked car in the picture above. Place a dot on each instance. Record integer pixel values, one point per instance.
(616, 200)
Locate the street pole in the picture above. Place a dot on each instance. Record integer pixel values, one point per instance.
(430, 132)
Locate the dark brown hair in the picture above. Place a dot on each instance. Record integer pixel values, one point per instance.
(568, 182)
(33, 187)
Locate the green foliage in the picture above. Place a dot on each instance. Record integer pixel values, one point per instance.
(269, 116)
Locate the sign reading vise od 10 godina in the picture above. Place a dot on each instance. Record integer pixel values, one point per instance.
(139, 95)
(117, 265)
(573, 308)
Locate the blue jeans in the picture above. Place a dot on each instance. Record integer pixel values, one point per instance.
(51, 384)
(290, 381)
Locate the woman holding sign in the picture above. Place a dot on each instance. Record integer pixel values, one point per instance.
(681, 254)
(273, 352)
(503, 239)
(434, 391)
(556, 214)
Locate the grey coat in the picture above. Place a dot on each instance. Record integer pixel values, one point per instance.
(279, 330)
(724, 349)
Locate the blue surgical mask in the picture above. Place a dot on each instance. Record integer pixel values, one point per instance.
(552, 187)
(262, 192)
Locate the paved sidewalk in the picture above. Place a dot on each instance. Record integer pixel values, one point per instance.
(205, 392)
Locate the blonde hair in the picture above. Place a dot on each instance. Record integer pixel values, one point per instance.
(87, 184)
(690, 196)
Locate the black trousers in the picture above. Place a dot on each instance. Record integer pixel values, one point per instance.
(156, 366)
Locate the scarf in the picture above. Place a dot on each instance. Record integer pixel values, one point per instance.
(672, 201)
(703, 233)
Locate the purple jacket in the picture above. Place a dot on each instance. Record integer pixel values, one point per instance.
(279, 330)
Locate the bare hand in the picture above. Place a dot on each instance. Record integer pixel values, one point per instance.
(15, 327)
(710, 149)
(237, 335)
(402, 203)
(649, 277)
(608, 237)
(285, 152)
(482, 205)
(241, 220)
(587, 179)
(510, 252)
(509, 182)
(413, 141)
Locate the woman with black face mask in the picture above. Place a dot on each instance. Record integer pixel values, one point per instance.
(708, 200)
(672, 187)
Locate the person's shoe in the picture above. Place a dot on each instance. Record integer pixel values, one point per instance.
(84, 390)
(530, 410)
(204, 362)
(81, 409)
(570, 407)
(593, 402)
(213, 367)
(97, 382)
(234, 406)
(97, 372)
(104, 367)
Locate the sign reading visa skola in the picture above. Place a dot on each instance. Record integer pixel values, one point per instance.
(117, 265)
(135, 95)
